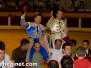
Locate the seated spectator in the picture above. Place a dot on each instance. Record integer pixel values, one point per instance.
(57, 52)
(85, 44)
(67, 62)
(40, 6)
(53, 64)
(19, 54)
(3, 6)
(76, 5)
(81, 4)
(81, 62)
(48, 5)
(13, 5)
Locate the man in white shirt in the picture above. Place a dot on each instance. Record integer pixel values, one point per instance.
(4, 58)
(57, 52)
(2, 49)
(7, 57)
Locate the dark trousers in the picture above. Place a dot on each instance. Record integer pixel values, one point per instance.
(81, 4)
(76, 8)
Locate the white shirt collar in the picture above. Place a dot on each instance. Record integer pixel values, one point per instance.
(87, 51)
(58, 20)
(2, 62)
(36, 24)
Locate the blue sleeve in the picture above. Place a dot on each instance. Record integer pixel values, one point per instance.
(30, 30)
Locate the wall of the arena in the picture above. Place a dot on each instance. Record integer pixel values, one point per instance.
(80, 14)
(75, 21)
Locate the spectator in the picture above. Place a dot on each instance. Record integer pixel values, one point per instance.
(81, 62)
(30, 5)
(2, 54)
(48, 5)
(53, 64)
(4, 58)
(16, 7)
(7, 57)
(37, 57)
(74, 48)
(66, 49)
(57, 4)
(40, 6)
(67, 62)
(85, 44)
(76, 5)
(1, 6)
(57, 52)
(74, 45)
(36, 5)
(9, 6)
(20, 3)
(19, 54)
(69, 8)
(81, 4)
(13, 5)
(73, 3)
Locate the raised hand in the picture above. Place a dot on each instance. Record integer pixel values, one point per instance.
(23, 15)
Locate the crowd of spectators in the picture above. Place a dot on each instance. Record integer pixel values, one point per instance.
(75, 5)
(32, 4)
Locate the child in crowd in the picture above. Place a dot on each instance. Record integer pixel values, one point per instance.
(81, 62)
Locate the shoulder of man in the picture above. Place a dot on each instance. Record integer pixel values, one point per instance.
(42, 26)
(16, 49)
(90, 51)
(31, 23)
(53, 20)
(6, 55)
(63, 21)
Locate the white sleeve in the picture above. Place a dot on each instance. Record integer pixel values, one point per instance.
(7, 57)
